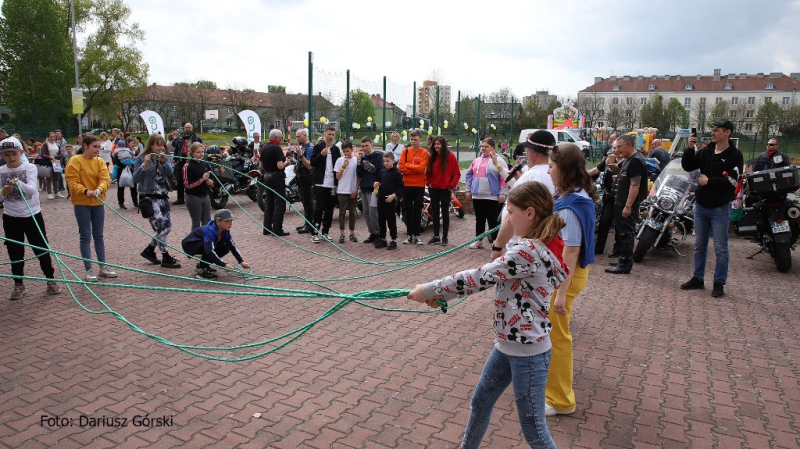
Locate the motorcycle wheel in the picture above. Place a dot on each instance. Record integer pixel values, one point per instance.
(293, 191)
(252, 192)
(459, 211)
(424, 221)
(218, 201)
(262, 198)
(783, 257)
(648, 237)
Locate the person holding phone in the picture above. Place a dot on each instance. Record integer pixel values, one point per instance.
(720, 165)
(152, 171)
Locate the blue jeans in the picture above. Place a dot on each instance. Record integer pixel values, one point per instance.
(717, 220)
(90, 226)
(528, 375)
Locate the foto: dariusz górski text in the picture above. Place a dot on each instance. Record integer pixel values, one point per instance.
(106, 421)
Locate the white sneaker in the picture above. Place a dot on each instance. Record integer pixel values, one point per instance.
(476, 245)
(59, 195)
(549, 410)
(315, 239)
(90, 276)
(418, 240)
(51, 197)
(407, 240)
(106, 272)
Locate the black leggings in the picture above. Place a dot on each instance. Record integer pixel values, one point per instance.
(18, 228)
(412, 204)
(486, 211)
(440, 200)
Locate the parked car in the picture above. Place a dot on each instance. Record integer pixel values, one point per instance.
(562, 136)
(218, 131)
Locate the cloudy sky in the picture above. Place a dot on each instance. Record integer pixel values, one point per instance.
(476, 47)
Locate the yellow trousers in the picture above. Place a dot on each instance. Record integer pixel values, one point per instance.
(559, 391)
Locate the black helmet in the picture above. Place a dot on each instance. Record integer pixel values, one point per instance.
(239, 141)
(213, 149)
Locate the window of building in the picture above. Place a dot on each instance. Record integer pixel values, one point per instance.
(602, 113)
(717, 100)
(616, 86)
(728, 86)
(629, 100)
(770, 86)
(735, 100)
(751, 100)
(651, 87)
(601, 124)
(615, 101)
(732, 114)
(687, 102)
(644, 100)
(785, 100)
(174, 107)
(703, 101)
(767, 99)
(748, 127)
(278, 124)
(230, 110)
(751, 113)
(689, 87)
(602, 100)
(229, 122)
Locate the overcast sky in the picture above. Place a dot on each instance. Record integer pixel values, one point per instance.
(476, 47)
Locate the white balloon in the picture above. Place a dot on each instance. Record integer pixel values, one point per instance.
(376, 140)
(369, 123)
(305, 115)
(404, 138)
(388, 124)
(355, 125)
(422, 122)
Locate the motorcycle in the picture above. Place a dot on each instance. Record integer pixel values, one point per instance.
(292, 191)
(234, 172)
(426, 218)
(771, 213)
(667, 214)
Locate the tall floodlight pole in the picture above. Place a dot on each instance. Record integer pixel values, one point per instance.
(75, 57)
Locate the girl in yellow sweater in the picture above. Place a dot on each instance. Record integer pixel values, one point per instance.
(88, 180)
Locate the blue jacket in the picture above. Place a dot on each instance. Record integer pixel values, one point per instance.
(145, 178)
(207, 240)
(584, 209)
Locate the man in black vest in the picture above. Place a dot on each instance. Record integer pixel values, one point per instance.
(273, 162)
(302, 172)
(631, 190)
(323, 158)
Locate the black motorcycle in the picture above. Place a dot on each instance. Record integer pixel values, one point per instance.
(667, 215)
(771, 214)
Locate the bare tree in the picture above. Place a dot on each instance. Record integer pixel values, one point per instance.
(591, 108)
(630, 112)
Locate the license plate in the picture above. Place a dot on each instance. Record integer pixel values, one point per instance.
(777, 228)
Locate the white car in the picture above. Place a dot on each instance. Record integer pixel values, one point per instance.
(562, 136)
(218, 131)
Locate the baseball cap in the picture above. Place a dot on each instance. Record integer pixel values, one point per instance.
(721, 123)
(541, 142)
(223, 215)
(10, 144)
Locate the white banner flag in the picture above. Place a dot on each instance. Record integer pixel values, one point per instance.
(153, 122)
(252, 124)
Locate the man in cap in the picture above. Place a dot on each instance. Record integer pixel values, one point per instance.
(536, 152)
(213, 241)
(720, 165)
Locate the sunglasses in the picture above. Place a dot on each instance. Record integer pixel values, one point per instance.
(772, 144)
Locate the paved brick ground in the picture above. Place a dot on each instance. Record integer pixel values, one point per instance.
(655, 366)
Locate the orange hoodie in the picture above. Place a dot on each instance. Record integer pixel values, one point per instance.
(412, 165)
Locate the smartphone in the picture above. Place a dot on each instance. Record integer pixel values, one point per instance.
(694, 132)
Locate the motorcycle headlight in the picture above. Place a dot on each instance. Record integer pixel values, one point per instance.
(680, 210)
(666, 203)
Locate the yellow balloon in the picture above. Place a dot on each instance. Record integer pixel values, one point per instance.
(405, 132)
(466, 126)
(445, 125)
(369, 119)
(305, 121)
(474, 130)
(323, 119)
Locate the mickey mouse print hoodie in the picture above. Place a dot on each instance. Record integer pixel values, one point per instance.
(524, 280)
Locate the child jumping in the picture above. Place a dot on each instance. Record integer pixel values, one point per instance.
(524, 280)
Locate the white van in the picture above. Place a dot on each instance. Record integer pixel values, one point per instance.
(562, 136)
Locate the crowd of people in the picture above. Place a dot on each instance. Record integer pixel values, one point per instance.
(540, 255)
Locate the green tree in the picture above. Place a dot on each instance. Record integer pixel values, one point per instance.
(615, 116)
(768, 117)
(789, 123)
(108, 59)
(677, 115)
(36, 63)
(721, 110)
(654, 113)
(362, 107)
(273, 89)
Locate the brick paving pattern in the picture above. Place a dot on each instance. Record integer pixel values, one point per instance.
(655, 366)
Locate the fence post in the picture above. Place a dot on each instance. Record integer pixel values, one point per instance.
(384, 112)
(347, 126)
(458, 126)
(511, 138)
(414, 108)
(437, 110)
(311, 96)
(478, 129)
